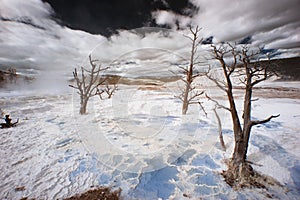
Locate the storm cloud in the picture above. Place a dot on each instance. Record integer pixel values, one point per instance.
(37, 35)
(273, 23)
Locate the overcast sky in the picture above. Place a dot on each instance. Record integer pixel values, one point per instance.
(59, 34)
(273, 22)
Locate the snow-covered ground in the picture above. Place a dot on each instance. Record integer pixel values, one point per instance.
(140, 142)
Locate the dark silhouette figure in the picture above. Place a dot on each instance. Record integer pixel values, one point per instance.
(8, 123)
(8, 120)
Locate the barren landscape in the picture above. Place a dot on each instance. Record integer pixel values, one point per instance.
(55, 153)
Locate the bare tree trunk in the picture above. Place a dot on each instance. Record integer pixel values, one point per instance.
(240, 152)
(89, 83)
(185, 103)
(83, 105)
(240, 172)
(189, 95)
(220, 130)
(184, 107)
(238, 169)
(238, 155)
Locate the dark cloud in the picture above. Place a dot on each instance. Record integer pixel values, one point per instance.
(106, 16)
(246, 40)
(271, 23)
(208, 40)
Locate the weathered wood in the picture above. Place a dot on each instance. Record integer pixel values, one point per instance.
(189, 94)
(252, 73)
(88, 83)
(222, 143)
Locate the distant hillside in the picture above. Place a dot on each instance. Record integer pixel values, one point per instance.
(288, 68)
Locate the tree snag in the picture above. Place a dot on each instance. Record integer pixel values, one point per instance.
(189, 94)
(244, 64)
(89, 84)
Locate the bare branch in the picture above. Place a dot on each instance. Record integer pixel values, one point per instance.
(99, 93)
(220, 129)
(73, 86)
(217, 103)
(179, 97)
(253, 123)
(184, 69)
(256, 99)
(218, 84)
(248, 161)
(201, 106)
(197, 94)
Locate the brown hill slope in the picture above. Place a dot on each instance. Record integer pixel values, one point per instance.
(288, 68)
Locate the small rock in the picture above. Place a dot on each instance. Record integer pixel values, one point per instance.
(21, 188)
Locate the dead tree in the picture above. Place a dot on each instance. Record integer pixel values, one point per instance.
(107, 90)
(89, 83)
(243, 64)
(189, 94)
